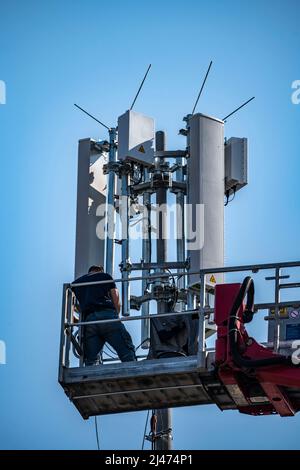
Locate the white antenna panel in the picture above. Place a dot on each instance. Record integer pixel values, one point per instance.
(136, 134)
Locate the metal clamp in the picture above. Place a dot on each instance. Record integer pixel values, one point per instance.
(153, 436)
(125, 266)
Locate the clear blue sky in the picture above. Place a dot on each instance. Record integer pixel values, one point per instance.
(55, 53)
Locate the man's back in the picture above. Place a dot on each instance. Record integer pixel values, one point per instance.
(95, 297)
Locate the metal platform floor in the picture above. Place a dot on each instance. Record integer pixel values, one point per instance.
(142, 385)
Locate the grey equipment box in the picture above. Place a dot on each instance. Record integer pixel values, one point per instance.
(289, 328)
(236, 162)
(136, 138)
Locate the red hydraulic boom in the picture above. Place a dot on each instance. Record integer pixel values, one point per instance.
(259, 381)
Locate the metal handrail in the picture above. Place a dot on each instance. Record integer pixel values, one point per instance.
(254, 268)
(207, 311)
(203, 311)
(136, 317)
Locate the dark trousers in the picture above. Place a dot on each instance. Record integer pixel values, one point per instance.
(114, 334)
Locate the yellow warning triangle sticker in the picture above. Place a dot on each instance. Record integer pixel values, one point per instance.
(212, 279)
(141, 149)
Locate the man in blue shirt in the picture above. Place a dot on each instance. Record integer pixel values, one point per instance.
(102, 302)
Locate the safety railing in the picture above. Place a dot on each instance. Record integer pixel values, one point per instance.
(204, 310)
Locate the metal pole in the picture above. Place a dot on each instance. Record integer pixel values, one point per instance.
(69, 312)
(125, 244)
(201, 334)
(161, 199)
(194, 333)
(146, 255)
(187, 120)
(110, 226)
(276, 310)
(164, 416)
(180, 220)
(63, 333)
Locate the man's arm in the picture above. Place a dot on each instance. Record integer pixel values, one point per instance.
(115, 297)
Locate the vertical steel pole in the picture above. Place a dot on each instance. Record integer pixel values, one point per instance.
(161, 199)
(69, 320)
(62, 333)
(186, 119)
(201, 334)
(110, 226)
(164, 417)
(194, 332)
(125, 243)
(276, 310)
(180, 221)
(146, 255)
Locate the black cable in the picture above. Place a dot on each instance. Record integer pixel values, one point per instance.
(227, 198)
(145, 430)
(171, 275)
(108, 355)
(175, 287)
(147, 339)
(247, 289)
(97, 434)
(234, 193)
(228, 194)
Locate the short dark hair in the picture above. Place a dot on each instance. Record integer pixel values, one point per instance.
(96, 269)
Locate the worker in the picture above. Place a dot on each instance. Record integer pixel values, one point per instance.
(101, 302)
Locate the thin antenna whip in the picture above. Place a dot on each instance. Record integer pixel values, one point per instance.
(138, 92)
(242, 105)
(93, 117)
(198, 97)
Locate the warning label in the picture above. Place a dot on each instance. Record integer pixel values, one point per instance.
(212, 279)
(141, 149)
(294, 314)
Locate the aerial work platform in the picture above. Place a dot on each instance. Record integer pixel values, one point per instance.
(143, 385)
(223, 375)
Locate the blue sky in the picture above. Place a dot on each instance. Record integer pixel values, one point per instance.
(94, 52)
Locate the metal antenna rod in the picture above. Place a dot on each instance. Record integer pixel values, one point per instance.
(145, 76)
(198, 97)
(93, 117)
(244, 104)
